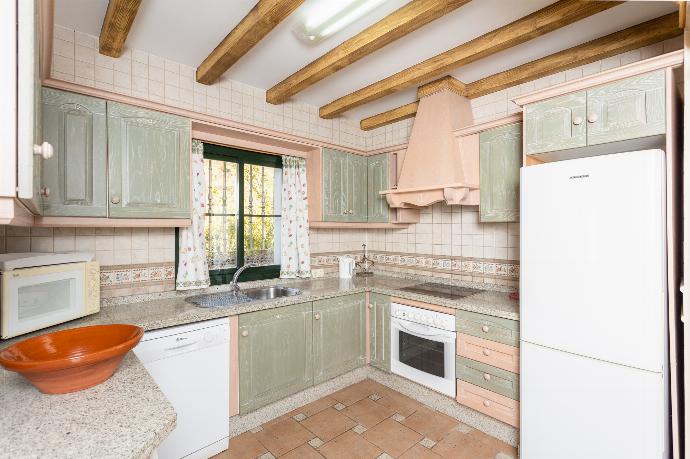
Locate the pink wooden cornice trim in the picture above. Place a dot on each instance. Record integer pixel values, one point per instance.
(476, 128)
(672, 59)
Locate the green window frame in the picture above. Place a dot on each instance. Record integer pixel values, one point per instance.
(242, 157)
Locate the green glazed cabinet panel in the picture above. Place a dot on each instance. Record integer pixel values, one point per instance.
(380, 331)
(500, 159)
(333, 193)
(148, 163)
(75, 177)
(339, 336)
(357, 192)
(627, 109)
(275, 356)
(378, 175)
(491, 378)
(497, 329)
(556, 124)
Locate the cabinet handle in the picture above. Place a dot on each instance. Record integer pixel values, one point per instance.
(487, 377)
(486, 352)
(317, 316)
(592, 118)
(44, 150)
(485, 328)
(577, 120)
(371, 306)
(115, 199)
(487, 403)
(245, 333)
(45, 192)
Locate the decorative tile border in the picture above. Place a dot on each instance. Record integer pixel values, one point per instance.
(506, 269)
(136, 275)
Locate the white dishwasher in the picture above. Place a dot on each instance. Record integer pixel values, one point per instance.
(191, 365)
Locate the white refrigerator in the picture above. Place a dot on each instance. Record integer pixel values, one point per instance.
(593, 308)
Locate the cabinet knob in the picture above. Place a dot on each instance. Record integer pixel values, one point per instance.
(317, 316)
(487, 403)
(592, 117)
(45, 192)
(44, 150)
(485, 328)
(577, 120)
(115, 199)
(371, 306)
(487, 377)
(486, 352)
(245, 333)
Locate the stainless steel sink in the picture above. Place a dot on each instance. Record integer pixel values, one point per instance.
(269, 293)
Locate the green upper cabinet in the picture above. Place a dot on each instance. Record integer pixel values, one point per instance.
(275, 354)
(344, 187)
(626, 109)
(500, 159)
(380, 331)
(339, 336)
(73, 180)
(378, 174)
(556, 124)
(148, 163)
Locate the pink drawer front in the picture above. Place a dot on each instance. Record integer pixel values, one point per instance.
(490, 352)
(490, 403)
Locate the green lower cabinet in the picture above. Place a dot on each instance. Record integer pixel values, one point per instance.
(339, 336)
(500, 159)
(490, 378)
(275, 354)
(497, 329)
(380, 331)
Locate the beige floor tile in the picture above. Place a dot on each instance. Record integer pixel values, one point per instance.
(243, 446)
(393, 437)
(430, 423)
(367, 413)
(328, 424)
(283, 436)
(349, 446)
(419, 452)
(303, 452)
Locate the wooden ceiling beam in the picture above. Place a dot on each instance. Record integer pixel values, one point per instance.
(447, 82)
(262, 18)
(543, 21)
(116, 25)
(389, 117)
(638, 36)
(401, 22)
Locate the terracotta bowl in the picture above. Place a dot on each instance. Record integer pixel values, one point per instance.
(71, 360)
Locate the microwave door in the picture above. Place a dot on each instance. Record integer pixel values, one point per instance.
(35, 298)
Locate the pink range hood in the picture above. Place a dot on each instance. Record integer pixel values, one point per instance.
(434, 168)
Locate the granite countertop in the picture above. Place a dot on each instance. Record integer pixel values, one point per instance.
(128, 416)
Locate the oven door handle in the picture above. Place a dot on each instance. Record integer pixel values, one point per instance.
(423, 331)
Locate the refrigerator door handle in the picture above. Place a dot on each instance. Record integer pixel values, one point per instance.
(682, 303)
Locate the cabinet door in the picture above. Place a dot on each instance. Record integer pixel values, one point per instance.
(339, 336)
(500, 159)
(74, 179)
(626, 109)
(148, 163)
(378, 174)
(556, 124)
(357, 192)
(333, 193)
(380, 331)
(275, 356)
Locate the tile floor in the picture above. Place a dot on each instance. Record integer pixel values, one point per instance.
(366, 420)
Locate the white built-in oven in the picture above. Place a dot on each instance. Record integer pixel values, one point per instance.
(39, 290)
(423, 347)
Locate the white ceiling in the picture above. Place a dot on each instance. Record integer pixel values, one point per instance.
(187, 31)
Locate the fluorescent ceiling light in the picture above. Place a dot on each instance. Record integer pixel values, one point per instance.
(319, 19)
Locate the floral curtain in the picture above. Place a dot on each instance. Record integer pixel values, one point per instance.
(192, 271)
(294, 230)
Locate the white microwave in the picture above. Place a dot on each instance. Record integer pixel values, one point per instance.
(38, 290)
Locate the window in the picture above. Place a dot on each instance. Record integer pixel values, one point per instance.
(243, 213)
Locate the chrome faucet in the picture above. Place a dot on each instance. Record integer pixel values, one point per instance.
(233, 285)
